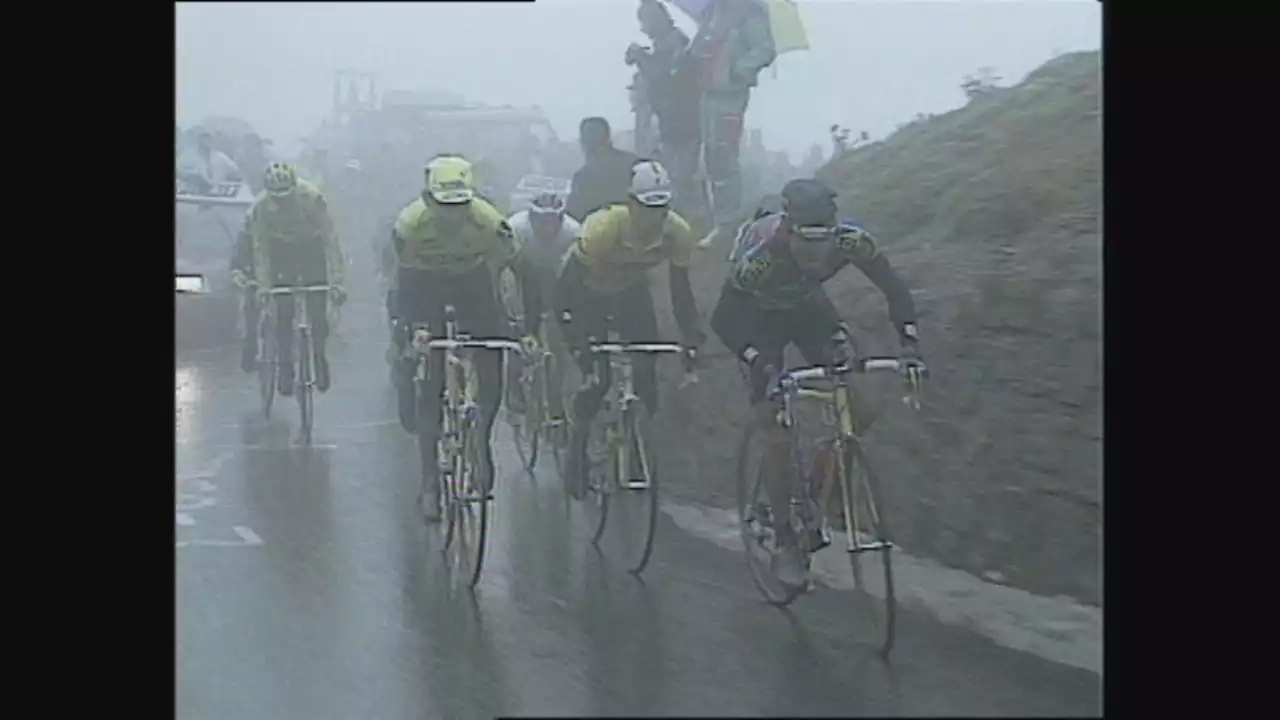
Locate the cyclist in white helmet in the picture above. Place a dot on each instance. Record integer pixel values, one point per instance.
(606, 275)
(543, 234)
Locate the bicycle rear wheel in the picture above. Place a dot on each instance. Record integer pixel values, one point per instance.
(267, 370)
(527, 427)
(306, 401)
(869, 546)
(756, 519)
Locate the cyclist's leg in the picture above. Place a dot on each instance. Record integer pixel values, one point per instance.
(480, 312)
(425, 304)
(587, 400)
(554, 339)
(415, 302)
(515, 366)
(814, 325)
(284, 342)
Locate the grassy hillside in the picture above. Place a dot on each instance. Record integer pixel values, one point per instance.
(992, 213)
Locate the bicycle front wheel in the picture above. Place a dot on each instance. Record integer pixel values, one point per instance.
(869, 546)
(756, 518)
(468, 506)
(635, 504)
(306, 401)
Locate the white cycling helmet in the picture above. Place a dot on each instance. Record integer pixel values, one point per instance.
(547, 204)
(651, 184)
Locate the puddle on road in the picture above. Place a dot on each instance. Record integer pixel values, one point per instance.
(1058, 629)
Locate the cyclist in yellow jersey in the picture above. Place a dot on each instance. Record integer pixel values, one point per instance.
(289, 239)
(606, 275)
(450, 244)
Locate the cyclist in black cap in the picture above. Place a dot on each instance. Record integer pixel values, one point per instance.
(773, 297)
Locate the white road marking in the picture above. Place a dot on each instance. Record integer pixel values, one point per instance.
(247, 538)
(1055, 628)
(210, 469)
(200, 495)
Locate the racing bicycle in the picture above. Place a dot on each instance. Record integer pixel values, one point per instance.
(620, 472)
(540, 423)
(461, 438)
(836, 458)
(304, 352)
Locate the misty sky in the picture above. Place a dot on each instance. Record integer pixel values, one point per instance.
(872, 64)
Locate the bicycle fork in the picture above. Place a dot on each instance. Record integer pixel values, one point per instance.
(854, 542)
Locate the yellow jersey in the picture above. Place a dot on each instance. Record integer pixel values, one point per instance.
(616, 258)
(277, 227)
(483, 236)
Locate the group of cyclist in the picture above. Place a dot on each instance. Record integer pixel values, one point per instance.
(584, 268)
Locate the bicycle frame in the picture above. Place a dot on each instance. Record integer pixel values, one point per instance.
(838, 405)
(460, 408)
(301, 323)
(623, 384)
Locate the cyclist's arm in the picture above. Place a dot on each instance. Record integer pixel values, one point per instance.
(530, 292)
(258, 251)
(568, 296)
(332, 250)
(684, 306)
(682, 303)
(242, 256)
(867, 257)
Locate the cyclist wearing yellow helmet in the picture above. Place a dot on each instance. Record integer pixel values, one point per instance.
(450, 244)
(289, 239)
(606, 274)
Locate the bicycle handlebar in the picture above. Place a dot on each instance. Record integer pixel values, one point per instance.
(864, 365)
(289, 290)
(618, 348)
(914, 372)
(423, 340)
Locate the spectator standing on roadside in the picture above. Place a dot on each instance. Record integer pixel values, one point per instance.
(733, 44)
(672, 93)
(605, 176)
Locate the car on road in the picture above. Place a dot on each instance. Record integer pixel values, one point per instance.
(206, 223)
(530, 186)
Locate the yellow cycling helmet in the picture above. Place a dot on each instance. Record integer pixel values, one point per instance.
(450, 180)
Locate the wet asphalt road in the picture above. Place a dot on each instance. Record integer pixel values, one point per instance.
(307, 587)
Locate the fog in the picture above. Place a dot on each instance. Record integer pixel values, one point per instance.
(871, 66)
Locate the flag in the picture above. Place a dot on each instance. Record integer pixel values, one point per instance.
(784, 21)
(786, 26)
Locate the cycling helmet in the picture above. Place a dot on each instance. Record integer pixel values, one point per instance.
(449, 180)
(546, 204)
(280, 179)
(809, 205)
(651, 184)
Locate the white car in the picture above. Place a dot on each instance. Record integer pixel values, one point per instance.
(530, 186)
(205, 230)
